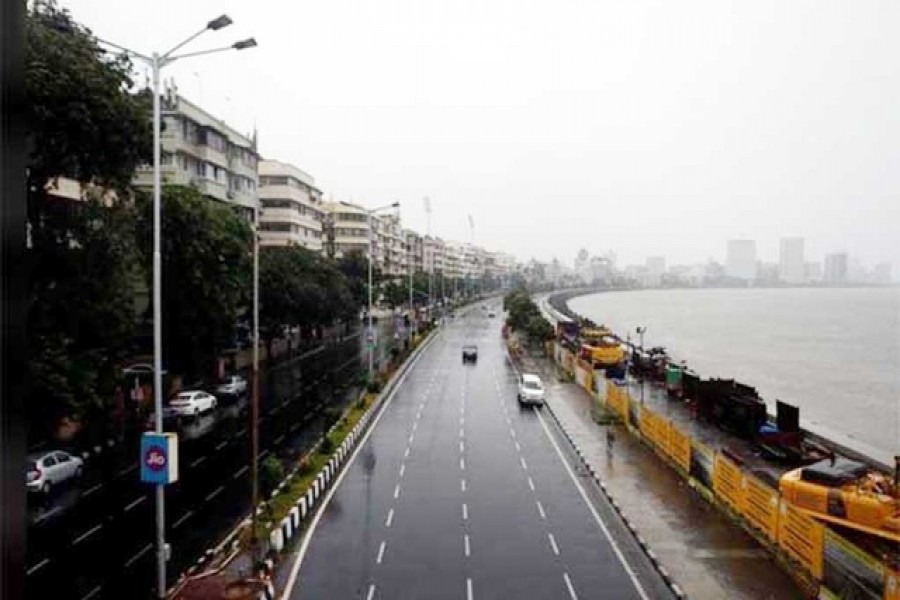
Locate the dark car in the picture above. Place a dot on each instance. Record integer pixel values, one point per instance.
(470, 353)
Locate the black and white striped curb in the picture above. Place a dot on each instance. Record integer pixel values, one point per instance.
(660, 568)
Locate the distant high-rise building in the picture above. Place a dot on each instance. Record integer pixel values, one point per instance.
(881, 273)
(836, 267)
(740, 261)
(791, 267)
(812, 272)
(655, 268)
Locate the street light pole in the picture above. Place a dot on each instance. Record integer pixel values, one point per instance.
(640, 331)
(157, 62)
(254, 402)
(371, 332)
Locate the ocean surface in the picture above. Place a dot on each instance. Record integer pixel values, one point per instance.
(833, 352)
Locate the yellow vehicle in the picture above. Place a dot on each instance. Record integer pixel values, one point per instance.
(846, 493)
(606, 353)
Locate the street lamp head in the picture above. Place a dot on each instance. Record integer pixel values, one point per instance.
(395, 205)
(243, 44)
(219, 22)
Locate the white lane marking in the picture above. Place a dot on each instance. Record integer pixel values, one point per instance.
(512, 432)
(468, 547)
(87, 534)
(541, 510)
(461, 432)
(553, 544)
(524, 464)
(397, 491)
(415, 426)
(412, 438)
(135, 503)
(402, 469)
(183, 518)
(469, 595)
(48, 514)
(37, 566)
(531, 484)
(462, 485)
(221, 445)
(369, 596)
(390, 518)
(304, 545)
(462, 446)
(465, 512)
(92, 490)
(462, 464)
(240, 472)
(278, 440)
(406, 454)
(381, 552)
(214, 493)
(128, 470)
(92, 593)
(518, 447)
(197, 462)
(137, 556)
(569, 585)
(618, 551)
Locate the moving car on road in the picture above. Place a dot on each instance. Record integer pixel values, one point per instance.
(192, 403)
(232, 385)
(45, 470)
(470, 353)
(531, 390)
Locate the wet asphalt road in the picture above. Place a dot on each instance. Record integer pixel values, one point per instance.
(94, 539)
(459, 493)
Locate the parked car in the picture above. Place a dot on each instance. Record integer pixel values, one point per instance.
(232, 385)
(45, 470)
(192, 403)
(470, 353)
(531, 390)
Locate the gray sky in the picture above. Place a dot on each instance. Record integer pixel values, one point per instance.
(645, 127)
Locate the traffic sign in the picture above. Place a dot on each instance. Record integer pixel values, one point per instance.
(159, 458)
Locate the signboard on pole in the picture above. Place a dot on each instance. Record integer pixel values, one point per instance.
(159, 458)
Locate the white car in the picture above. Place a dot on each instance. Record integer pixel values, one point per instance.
(233, 385)
(45, 470)
(192, 403)
(531, 390)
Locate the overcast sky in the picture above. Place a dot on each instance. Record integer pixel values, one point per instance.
(642, 127)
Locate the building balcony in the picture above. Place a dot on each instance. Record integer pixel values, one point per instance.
(290, 215)
(169, 175)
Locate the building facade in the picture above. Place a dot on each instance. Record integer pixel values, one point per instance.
(836, 266)
(204, 152)
(740, 260)
(292, 209)
(348, 228)
(791, 266)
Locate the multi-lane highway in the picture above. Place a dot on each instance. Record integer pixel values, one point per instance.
(94, 539)
(457, 492)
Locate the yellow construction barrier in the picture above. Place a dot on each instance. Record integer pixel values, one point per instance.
(656, 429)
(802, 537)
(680, 448)
(727, 482)
(760, 506)
(616, 400)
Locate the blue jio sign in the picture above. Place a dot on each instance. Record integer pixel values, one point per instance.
(159, 458)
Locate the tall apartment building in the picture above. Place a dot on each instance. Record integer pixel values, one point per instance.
(348, 228)
(204, 152)
(433, 254)
(454, 260)
(791, 267)
(836, 266)
(741, 259)
(390, 252)
(415, 251)
(292, 208)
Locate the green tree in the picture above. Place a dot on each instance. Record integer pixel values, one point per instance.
(355, 267)
(206, 261)
(82, 123)
(395, 294)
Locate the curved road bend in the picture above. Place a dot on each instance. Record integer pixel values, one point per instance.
(459, 493)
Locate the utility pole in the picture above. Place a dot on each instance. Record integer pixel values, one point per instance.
(427, 202)
(254, 401)
(640, 331)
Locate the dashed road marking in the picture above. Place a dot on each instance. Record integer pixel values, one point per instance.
(462, 446)
(87, 534)
(462, 464)
(198, 461)
(541, 510)
(92, 490)
(412, 438)
(518, 447)
(134, 503)
(462, 484)
(214, 493)
(406, 454)
(397, 491)
(468, 547)
(92, 593)
(48, 514)
(182, 519)
(524, 464)
(461, 432)
(512, 432)
(371, 593)
(570, 587)
(38, 566)
(465, 509)
(137, 556)
(402, 469)
(390, 518)
(278, 440)
(239, 472)
(128, 470)
(469, 595)
(531, 484)
(380, 552)
(553, 544)
(221, 445)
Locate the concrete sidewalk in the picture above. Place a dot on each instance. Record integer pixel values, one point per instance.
(706, 555)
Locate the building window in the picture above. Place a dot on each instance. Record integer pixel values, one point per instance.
(275, 203)
(280, 227)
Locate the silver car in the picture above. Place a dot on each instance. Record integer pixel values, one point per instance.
(45, 470)
(192, 403)
(233, 385)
